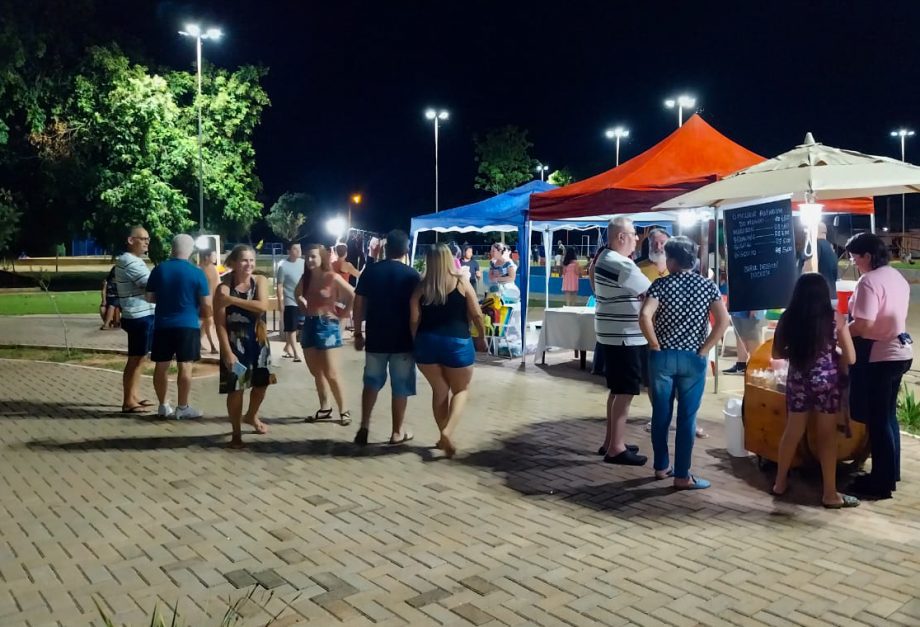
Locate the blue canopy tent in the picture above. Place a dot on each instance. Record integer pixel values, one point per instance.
(504, 213)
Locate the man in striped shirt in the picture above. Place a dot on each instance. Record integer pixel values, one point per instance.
(131, 274)
(618, 285)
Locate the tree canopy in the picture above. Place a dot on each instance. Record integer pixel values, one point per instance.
(503, 155)
(561, 177)
(288, 215)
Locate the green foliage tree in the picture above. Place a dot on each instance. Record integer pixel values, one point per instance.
(503, 155)
(561, 177)
(287, 216)
(9, 219)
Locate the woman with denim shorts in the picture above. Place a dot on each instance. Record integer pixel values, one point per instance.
(325, 298)
(441, 310)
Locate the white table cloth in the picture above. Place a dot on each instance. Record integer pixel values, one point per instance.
(568, 327)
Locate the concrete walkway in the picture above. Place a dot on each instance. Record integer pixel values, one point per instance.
(526, 526)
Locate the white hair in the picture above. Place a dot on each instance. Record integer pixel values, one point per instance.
(182, 246)
(617, 225)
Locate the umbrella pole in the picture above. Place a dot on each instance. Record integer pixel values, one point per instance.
(718, 271)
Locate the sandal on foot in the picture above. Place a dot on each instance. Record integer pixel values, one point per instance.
(287, 355)
(700, 434)
(664, 474)
(321, 414)
(345, 418)
(258, 426)
(406, 437)
(695, 484)
(629, 447)
(847, 501)
(136, 409)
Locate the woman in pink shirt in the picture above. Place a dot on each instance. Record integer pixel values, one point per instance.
(878, 313)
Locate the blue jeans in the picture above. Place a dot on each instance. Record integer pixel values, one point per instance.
(683, 373)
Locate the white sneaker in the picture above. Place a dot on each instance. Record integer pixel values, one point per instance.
(165, 411)
(187, 413)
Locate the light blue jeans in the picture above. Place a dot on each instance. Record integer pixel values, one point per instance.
(683, 373)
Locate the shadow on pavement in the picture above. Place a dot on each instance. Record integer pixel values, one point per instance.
(71, 411)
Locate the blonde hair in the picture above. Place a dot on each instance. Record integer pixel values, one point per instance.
(441, 276)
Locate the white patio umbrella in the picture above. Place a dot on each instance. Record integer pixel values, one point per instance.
(810, 172)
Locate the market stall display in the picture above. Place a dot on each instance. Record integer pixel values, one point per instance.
(764, 415)
(570, 328)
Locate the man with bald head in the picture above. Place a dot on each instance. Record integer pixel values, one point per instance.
(182, 294)
(618, 285)
(131, 274)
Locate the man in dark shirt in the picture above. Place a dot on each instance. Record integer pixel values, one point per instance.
(382, 300)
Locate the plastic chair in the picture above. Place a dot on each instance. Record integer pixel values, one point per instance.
(499, 333)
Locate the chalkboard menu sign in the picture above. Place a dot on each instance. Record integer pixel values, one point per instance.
(760, 255)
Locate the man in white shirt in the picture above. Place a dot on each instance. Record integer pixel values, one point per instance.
(131, 274)
(618, 285)
(290, 271)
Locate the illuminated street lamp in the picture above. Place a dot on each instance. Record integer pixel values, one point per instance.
(903, 133)
(617, 134)
(337, 227)
(681, 102)
(193, 30)
(542, 168)
(355, 201)
(437, 117)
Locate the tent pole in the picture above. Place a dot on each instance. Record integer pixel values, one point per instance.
(872, 222)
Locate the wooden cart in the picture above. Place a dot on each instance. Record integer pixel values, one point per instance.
(764, 414)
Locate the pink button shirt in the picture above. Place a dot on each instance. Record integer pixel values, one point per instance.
(882, 296)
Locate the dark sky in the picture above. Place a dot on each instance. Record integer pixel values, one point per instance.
(349, 82)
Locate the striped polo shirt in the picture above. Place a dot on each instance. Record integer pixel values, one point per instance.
(618, 283)
(131, 274)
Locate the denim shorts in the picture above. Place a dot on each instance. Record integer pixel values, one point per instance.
(444, 350)
(402, 372)
(321, 333)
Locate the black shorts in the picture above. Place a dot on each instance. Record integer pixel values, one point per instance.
(293, 318)
(140, 335)
(182, 343)
(626, 368)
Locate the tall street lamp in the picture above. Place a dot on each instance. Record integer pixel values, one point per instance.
(681, 102)
(617, 134)
(903, 133)
(194, 30)
(436, 117)
(542, 168)
(355, 201)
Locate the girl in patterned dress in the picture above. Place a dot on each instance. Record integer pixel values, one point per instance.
(808, 334)
(240, 303)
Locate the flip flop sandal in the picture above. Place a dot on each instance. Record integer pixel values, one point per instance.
(287, 355)
(664, 474)
(695, 484)
(297, 360)
(700, 434)
(321, 414)
(345, 418)
(848, 501)
(145, 403)
(137, 409)
(407, 436)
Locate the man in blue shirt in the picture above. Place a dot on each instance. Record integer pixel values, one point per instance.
(180, 291)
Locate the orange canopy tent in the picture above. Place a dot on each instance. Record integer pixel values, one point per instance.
(694, 155)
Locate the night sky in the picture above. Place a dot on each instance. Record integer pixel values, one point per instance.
(349, 82)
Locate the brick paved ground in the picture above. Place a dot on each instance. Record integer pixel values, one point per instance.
(525, 526)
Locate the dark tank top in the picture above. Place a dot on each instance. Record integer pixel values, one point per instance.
(448, 319)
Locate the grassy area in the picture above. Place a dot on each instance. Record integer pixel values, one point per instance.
(41, 303)
(107, 361)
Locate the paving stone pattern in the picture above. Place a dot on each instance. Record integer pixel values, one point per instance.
(526, 526)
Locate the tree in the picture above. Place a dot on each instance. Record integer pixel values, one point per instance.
(561, 177)
(9, 219)
(287, 216)
(504, 159)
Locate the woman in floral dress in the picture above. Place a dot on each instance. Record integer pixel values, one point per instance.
(240, 304)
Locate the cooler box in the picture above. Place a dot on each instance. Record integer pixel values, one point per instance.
(845, 289)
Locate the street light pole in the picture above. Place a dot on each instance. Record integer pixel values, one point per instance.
(436, 117)
(617, 134)
(355, 201)
(903, 133)
(681, 102)
(193, 30)
(541, 168)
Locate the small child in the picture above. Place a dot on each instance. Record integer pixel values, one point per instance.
(109, 307)
(571, 273)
